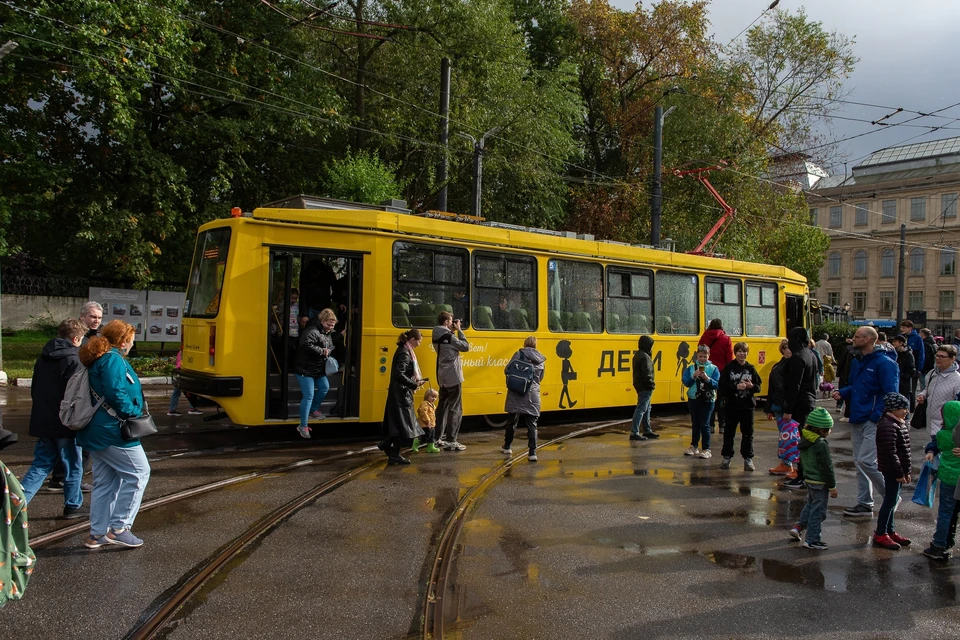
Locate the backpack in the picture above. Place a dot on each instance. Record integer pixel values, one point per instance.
(17, 559)
(77, 407)
(520, 375)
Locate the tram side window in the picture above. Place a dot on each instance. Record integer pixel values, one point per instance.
(428, 279)
(207, 273)
(761, 309)
(677, 303)
(629, 302)
(505, 292)
(723, 300)
(574, 296)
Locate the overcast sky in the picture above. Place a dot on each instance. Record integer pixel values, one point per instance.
(907, 54)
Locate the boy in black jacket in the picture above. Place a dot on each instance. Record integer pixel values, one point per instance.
(644, 383)
(57, 363)
(739, 382)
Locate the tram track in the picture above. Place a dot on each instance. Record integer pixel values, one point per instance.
(443, 562)
(62, 533)
(155, 622)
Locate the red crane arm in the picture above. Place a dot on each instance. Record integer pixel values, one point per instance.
(713, 236)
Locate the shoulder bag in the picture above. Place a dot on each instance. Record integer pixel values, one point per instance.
(131, 428)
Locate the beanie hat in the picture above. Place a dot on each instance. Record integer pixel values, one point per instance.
(899, 338)
(893, 401)
(819, 418)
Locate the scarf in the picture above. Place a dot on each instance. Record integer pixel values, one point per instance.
(417, 377)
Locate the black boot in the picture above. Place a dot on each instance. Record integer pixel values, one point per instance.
(394, 457)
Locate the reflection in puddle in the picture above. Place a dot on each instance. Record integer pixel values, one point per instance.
(808, 574)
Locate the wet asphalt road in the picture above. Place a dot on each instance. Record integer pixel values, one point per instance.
(602, 538)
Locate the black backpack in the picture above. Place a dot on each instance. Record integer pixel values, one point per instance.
(520, 375)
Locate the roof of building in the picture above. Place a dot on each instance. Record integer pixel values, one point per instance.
(861, 180)
(932, 149)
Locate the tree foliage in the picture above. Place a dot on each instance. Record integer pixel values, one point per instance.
(127, 124)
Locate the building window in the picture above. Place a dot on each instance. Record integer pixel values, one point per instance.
(833, 265)
(886, 301)
(918, 208)
(948, 205)
(886, 263)
(860, 217)
(860, 264)
(946, 301)
(915, 301)
(948, 262)
(889, 212)
(833, 298)
(916, 261)
(859, 301)
(836, 217)
(813, 216)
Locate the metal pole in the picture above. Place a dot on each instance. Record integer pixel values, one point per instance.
(444, 132)
(901, 280)
(656, 191)
(477, 177)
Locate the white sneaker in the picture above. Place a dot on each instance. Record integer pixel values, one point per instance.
(454, 446)
(844, 420)
(705, 454)
(506, 452)
(532, 457)
(692, 451)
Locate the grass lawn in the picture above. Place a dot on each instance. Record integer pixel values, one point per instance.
(20, 352)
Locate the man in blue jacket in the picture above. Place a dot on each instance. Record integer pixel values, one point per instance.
(914, 343)
(872, 375)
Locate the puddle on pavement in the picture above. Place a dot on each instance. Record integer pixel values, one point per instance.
(807, 574)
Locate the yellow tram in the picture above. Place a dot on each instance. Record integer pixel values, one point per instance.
(587, 301)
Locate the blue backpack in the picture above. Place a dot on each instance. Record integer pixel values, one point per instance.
(520, 375)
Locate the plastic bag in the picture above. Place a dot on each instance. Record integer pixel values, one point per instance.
(926, 486)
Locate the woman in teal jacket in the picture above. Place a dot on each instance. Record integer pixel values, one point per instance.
(120, 467)
(701, 379)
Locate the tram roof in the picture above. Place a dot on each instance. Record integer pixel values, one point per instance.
(393, 217)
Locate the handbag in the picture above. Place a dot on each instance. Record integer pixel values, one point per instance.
(919, 418)
(926, 486)
(331, 366)
(131, 428)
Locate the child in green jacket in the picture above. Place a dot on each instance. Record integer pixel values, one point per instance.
(947, 474)
(818, 475)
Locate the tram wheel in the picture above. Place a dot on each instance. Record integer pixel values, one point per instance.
(497, 420)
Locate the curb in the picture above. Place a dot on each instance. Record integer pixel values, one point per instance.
(152, 380)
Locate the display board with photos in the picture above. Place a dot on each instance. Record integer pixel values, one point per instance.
(155, 315)
(165, 313)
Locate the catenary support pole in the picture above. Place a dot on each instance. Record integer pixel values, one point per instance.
(444, 132)
(901, 280)
(656, 191)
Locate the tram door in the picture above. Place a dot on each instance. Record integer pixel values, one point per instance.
(795, 312)
(301, 285)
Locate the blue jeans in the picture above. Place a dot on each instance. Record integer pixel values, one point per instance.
(815, 511)
(700, 418)
(45, 458)
(641, 415)
(863, 437)
(891, 496)
(120, 476)
(946, 517)
(312, 392)
(175, 400)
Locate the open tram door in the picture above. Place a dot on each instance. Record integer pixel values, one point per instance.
(303, 283)
(796, 312)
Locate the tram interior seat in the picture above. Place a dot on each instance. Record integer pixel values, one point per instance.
(518, 319)
(483, 318)
(553, 320)
(613, 323)
(423, 315)
(566, 319)
(638, 324)
(664, 324)
(443, 307)
(581, 322)
(400, 314)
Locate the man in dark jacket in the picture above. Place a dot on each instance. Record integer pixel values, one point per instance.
(929, 351)
(907, 368)
(643, 382)
(799, 387)
(872, 376)
(58, 362)
(915, 343)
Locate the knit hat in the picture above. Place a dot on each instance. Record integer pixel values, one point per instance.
(893, 401)
(819, 418)
(899, 338)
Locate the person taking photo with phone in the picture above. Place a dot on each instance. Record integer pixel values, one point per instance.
(449, 342)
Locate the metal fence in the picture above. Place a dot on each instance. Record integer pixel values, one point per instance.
(72, 287)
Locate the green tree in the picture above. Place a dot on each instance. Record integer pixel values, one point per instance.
(361, 178)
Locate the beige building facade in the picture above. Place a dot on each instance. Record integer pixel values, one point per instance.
(914, 185)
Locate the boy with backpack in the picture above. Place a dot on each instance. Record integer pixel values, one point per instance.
(58, 362)
(819, 477)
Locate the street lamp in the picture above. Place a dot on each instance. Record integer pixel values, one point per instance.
(478, 148)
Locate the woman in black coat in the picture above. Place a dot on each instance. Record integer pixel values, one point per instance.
(399, 421)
